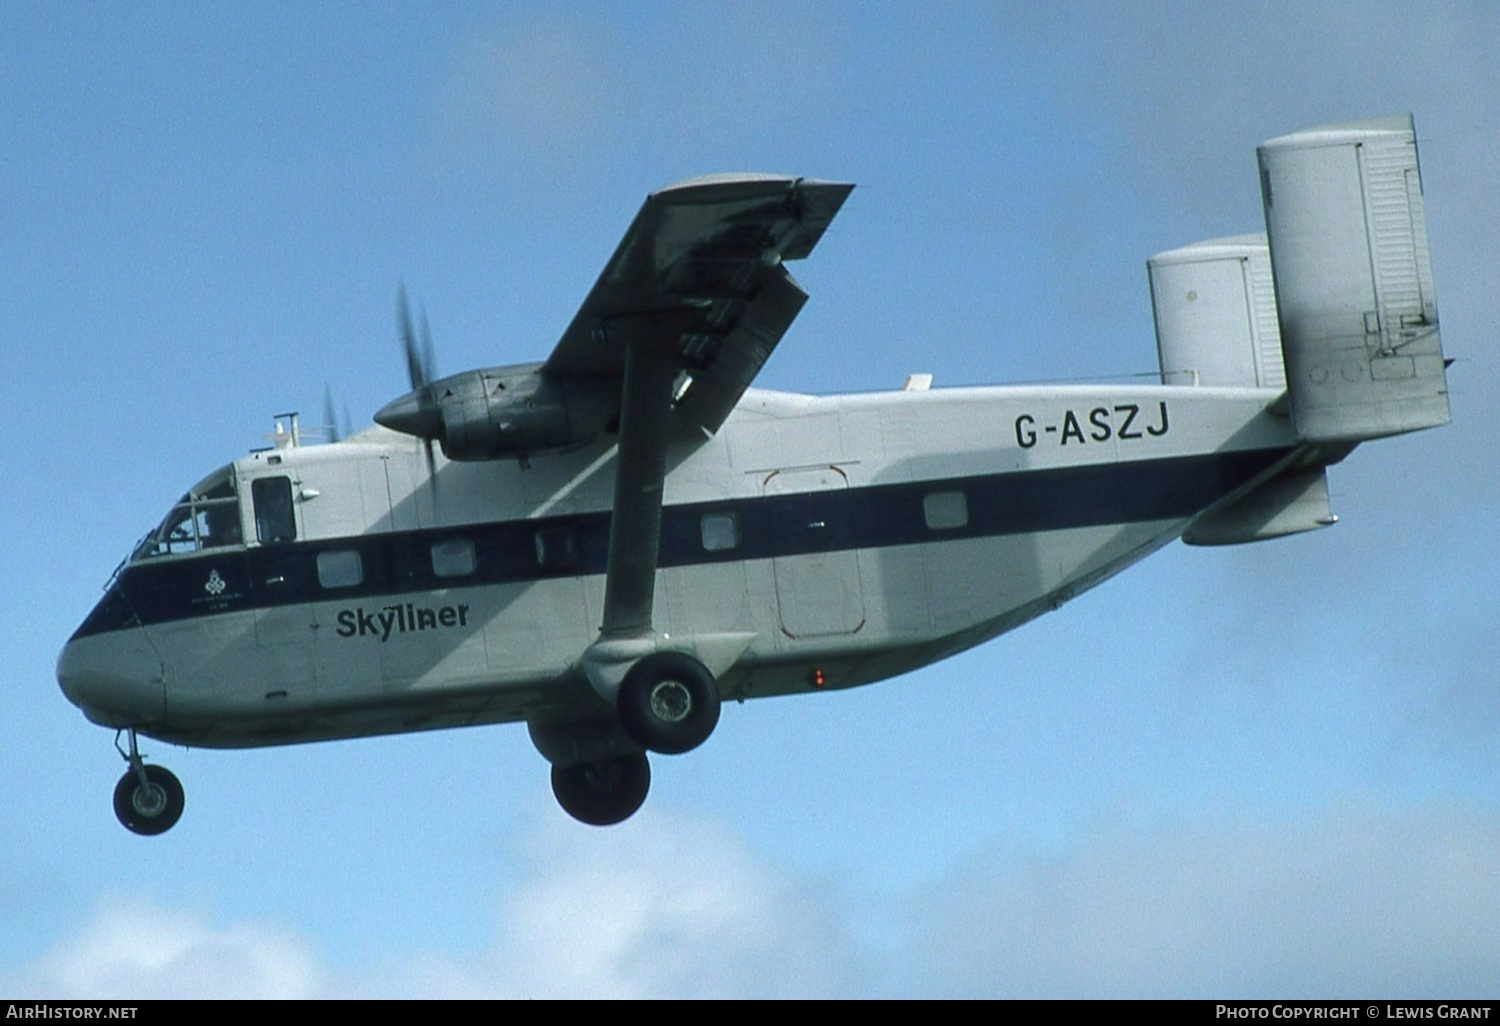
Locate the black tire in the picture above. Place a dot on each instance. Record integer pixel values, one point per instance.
(152, 809)
(669, 703)
(604, 792)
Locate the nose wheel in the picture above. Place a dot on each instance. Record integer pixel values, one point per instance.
(148, 799)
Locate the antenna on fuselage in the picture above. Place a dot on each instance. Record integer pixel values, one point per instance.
(281, 437)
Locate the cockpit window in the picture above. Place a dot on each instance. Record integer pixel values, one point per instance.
(206, 517)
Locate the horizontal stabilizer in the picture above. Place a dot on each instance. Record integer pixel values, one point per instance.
(1359, 325)
(1291, 503)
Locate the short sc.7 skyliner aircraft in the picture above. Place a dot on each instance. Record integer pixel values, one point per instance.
(617, 539)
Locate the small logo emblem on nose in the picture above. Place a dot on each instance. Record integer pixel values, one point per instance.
(215, 583)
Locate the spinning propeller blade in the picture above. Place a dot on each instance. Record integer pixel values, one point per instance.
(329, 424)
(420, 364)
(421, 369)
(338, 429)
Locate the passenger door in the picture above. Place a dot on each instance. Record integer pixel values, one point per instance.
(818, 587)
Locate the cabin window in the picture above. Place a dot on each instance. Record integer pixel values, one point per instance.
(275, 517)
(720, 532)
(340, 568)
(556, 548)
(453, 558)
(945, 511)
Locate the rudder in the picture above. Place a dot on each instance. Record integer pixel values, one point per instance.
(1348, 239)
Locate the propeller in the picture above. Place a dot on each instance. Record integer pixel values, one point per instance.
(337, 429)
(329, 424)
(421, 367)
(421, 370)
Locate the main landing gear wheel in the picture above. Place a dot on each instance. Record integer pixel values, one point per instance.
(152, 807)
(604, 792)
(669, 703)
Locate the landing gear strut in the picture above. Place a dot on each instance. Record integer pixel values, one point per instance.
(148, 799)
(603, 792)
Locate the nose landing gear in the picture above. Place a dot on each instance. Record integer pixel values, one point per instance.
(148, 799)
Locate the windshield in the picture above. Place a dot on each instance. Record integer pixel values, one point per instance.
(206, 517)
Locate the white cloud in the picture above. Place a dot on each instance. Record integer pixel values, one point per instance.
(138, 949)
(658, 907)
(1356, 901)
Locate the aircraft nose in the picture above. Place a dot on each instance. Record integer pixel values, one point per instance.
(115, 678)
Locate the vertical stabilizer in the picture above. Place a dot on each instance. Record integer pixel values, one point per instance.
(1215, 310)
(1359, 325)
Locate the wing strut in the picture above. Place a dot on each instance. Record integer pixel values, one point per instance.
(640, 468)
(627, 634)
(695, 292)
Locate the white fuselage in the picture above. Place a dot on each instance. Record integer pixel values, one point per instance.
(812, 542)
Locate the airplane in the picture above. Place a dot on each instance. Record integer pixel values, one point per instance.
(609, 544)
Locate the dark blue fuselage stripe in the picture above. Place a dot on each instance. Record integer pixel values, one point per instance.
(516, 551)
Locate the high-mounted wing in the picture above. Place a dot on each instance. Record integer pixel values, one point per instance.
(699, 273)
(696, 287)
(686, 312)
(698, 277)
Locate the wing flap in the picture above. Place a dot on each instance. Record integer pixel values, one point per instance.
(699, 270)
(717, 385)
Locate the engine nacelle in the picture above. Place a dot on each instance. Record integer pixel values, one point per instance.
(504, 412)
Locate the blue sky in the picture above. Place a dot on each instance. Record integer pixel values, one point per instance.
(1266, 770)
